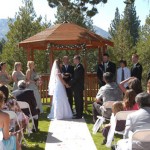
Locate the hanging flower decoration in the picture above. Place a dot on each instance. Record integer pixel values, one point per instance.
(72, 47)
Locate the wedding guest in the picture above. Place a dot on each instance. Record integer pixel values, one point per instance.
(129, 100)
(68, 71)
(77, 84)
(123, 72)
(136, 70)
(4, 80)
(137, 120)
(109, 92)
(32, 79)
(120, 125)
(105, 66)
(17, 74)
(133, 83)
(22, 118)
(27, 95)
(9, 139)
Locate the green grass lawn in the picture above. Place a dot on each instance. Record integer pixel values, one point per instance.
(36, 141)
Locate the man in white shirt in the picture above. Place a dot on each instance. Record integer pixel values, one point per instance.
(123, 72)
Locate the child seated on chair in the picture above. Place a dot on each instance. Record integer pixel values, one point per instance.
(22, 118)
(120, 126)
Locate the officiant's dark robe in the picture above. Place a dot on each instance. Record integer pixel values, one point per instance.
(69, 69)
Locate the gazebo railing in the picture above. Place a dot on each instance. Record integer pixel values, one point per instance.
(91, 89)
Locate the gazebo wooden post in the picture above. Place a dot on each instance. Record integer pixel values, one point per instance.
(99, 55)
(32, 54)
(104, 49)
(28, 53)
(51, 63)
(51, 58)
(85, 92)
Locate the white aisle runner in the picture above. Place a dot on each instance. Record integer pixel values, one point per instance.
(69, 135)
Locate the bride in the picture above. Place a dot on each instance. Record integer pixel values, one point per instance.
(60, 106)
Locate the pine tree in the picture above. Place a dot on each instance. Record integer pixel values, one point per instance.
(25, 24)
(115, 23)
(143, 47)
(131, 22)
(73, 15)
(2, 43)
(126, 34)
(81, 5)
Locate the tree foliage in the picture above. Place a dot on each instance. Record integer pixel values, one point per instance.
(2, 43)
(81, 5)
(25, 24)
(73, 15)
(125, 33)
(115, 23)
(143, 47)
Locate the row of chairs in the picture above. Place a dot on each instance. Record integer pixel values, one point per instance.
(122, 115)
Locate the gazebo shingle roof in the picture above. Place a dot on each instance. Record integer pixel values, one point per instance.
(65, 34)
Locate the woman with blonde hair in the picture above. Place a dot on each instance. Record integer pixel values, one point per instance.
(32, 78)
(17, 74)
(9, 141)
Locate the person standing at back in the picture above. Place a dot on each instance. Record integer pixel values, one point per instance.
(105, 66)
(123, 72)
(68, 71)
(136, 70)
(77, 84)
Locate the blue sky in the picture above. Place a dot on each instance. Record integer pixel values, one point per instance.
(102, 19)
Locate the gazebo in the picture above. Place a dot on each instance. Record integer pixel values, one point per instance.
(67, 36)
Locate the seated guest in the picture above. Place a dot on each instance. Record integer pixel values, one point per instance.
(129, 100)
(9, 141)
(133, 83)
(137, 121)
(120, 125)
(109, 92)
(22, 118)
(27, 95)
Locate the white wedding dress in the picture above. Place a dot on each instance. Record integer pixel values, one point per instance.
(60, 106)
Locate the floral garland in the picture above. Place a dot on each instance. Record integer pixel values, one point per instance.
(60, 46)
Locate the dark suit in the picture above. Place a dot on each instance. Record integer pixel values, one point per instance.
(26, 95)
(111, 67)
(136, 71)
(69, 69)
(77, 84)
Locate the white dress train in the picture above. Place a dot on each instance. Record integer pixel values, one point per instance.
(60, 106)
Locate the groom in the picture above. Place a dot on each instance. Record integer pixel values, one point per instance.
(77, 84)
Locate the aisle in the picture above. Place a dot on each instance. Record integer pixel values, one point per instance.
(69, 135)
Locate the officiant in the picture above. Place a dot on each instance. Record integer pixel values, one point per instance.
(68, 71)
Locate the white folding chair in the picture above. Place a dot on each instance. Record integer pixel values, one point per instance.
(102, 119)
(13, 116)
(24, 105)
(121, 115)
